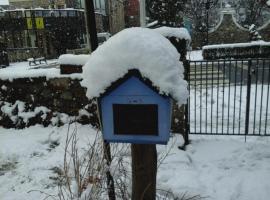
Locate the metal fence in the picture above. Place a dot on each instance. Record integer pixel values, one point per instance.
(229, 97)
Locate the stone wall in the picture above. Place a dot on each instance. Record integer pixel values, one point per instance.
(265, 32)
(28, 101)
(228, 32)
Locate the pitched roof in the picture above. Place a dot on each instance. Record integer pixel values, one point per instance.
(131, 73)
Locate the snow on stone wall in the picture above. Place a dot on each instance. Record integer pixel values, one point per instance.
(70, 59)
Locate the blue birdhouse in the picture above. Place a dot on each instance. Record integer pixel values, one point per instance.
(132, 111)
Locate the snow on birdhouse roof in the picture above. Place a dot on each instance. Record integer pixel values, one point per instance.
(136, 48)
(180, 33)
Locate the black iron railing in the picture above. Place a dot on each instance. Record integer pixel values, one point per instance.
(229, 97)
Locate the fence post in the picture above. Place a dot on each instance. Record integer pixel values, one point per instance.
(248, 98)
(186, 75)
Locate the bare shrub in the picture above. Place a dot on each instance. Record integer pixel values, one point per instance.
(122, 174)
(84, 169)
(83, 175)
(169, 195)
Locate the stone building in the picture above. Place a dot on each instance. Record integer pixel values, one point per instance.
(116, 16)
(228, 30)
(132, 13)
(37, 3)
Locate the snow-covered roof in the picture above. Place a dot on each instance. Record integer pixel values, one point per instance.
(136, 48)
(70, 59)
(181, 33)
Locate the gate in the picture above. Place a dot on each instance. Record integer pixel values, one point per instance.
(229, 97)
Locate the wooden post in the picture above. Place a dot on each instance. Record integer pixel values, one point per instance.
(144, 171)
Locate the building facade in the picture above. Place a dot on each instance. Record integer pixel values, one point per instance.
(116, 16)
(132, 13)
(27, 4)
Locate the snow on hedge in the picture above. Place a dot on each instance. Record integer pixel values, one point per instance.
(70, 59)
(136, 48)
(181, 33)
(8, 108)
(235, 45)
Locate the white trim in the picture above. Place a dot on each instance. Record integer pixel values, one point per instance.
(218, 25)
(264, 26)
(232, 12)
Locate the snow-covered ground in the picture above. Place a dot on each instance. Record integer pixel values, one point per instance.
(22, 70)
(222, 110)
(194, 55)
(214, 167)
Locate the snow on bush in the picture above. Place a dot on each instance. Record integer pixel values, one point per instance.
(18, 109)
(254, 34)
(236, 45)
(136, 48)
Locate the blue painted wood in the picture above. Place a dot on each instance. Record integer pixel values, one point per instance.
(134, 91)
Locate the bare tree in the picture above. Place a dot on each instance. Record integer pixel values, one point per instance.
(197, 10)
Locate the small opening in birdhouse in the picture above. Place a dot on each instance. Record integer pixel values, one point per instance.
(135, 119)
